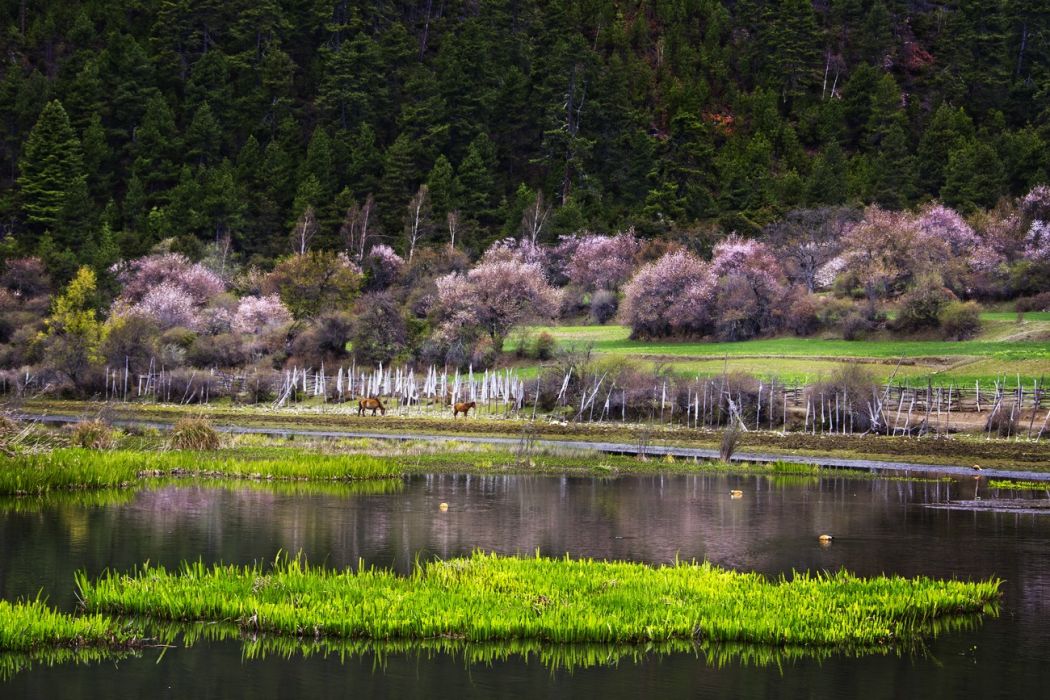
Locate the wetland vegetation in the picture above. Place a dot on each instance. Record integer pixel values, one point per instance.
(489, 597)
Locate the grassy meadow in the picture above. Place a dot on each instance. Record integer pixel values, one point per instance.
(1005, 347)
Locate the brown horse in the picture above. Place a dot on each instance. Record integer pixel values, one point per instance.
(464, 407)
(371, 403)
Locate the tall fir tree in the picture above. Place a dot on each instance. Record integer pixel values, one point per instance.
(51, 174)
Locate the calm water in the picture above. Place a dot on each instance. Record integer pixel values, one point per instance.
(879, 526)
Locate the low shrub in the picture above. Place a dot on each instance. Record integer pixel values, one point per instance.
(604, 304)
(223, 350)
(1037, 302)
(920, 309)
(730, 438)
(92, 435)
(543, 349)
(194, 434)
(483, 354)
(848, 395)
(801, 313)
(1001, 423)
(831, 310)
(960, 320)
(855, 325)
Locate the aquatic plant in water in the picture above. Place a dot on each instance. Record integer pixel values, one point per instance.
(31, 625)
(490, 598)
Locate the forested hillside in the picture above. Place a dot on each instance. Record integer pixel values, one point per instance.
(273, 126)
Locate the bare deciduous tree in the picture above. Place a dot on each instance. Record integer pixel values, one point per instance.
(806, 239)
(349, 230)
(417, 219)
(534, 220)
(304, 231)
(453, 227)
(355, 231)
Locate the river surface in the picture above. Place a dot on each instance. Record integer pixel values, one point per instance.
(879, 526)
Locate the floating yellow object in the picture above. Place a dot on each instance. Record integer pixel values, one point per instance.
(825, 539)
(443, 507)
(736, 493)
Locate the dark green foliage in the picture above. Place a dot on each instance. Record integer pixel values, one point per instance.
(378, 334)
(923, 306)
(199, 120)
(973, 177)
(51, 172)
(960, 320)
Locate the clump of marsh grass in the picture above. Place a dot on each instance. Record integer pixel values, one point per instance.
(17, 437)
(488, 597)
(92, 435)
(730, 439)
(33, 625)
(194, 434)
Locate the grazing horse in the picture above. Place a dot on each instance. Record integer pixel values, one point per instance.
(464, 407)
(372, 403)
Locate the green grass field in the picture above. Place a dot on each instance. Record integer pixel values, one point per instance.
(1005, 347)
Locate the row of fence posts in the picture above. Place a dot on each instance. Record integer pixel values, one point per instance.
(709, 402)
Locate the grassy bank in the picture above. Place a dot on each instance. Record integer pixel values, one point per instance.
(75, 468)
(961, 450)
(328, 467)
(490, 597)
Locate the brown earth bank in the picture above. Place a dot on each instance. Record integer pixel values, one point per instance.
(961, 449)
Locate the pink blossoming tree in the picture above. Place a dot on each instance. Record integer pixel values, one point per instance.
(602, 262)
(493, 297)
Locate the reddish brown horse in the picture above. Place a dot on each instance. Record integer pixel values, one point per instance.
(372, 404)
(464, 407)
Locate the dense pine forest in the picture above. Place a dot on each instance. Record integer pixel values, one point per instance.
(128, 123)
(201, 184)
